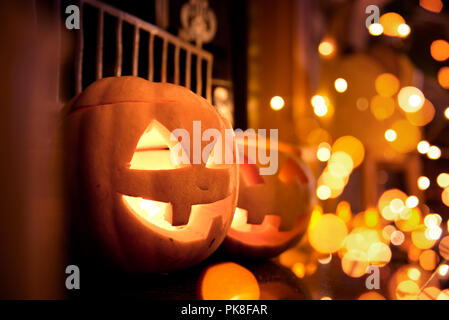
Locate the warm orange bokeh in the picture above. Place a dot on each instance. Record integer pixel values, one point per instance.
(228, 281)
(387, 84)
(443, 77)
(439, 49)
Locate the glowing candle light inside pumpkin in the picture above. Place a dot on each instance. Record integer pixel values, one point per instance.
(240, 220)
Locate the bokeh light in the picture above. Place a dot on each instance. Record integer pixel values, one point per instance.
(434, 153)
(228, 281)
(439, 49)
(428, 260)
(408, 136)
(375, 29)
(277, 103)
(410, 99)
(423, 147)
(432, 5)
(443, 248)
(412, 202)
(445, 196)
(371, 295)
(382, 107)
(326, 47)
(341, 85)
(387, 84)
(320, 105)
(391, 21)
(327, 234)
(323, 192)
(443, 77)
(407, 290)
(443, 180)
(391, 135)
(397, 238)
(355, 263)
(423, 183)
(403, 30)
(323, 152)
(420, 240)
(423, 116)
(351, 146)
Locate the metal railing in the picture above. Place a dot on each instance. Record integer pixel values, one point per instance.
(202, 75)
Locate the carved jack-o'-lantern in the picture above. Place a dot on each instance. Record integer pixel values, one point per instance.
(147, 213)
(273, 210)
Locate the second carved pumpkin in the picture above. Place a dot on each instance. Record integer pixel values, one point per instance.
(273, 211)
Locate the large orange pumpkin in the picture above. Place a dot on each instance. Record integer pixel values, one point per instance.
(145, 212)
(273, 210)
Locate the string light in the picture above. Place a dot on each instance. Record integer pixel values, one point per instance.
(446, 113)
(323, 192)
(277, 103)
(319, 105)
(443, 180)
(423, 147)
(434, 153)
(423, 183)
(391, 135)
(412, 202)
(403, 30)
(375, 29)
(324, 152)
(326, 47)
(341, 85)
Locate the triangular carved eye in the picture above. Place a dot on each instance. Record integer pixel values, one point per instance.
(153, 150)
(291, 172)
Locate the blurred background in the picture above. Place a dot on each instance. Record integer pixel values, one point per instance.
(361, 87)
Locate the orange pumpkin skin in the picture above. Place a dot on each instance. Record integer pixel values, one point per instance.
(278, 208)
(104, 126)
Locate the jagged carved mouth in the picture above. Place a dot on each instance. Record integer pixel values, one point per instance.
(157, 216)
(265, 233)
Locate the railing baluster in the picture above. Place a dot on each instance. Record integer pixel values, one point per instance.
(203, 77)
(151, 57)
(100, 41)
(79, 54)
(199, 76)
(209, 80)
(164, 61)
(176, 64)
(188, 69)
(135, 62)
(119, 50)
